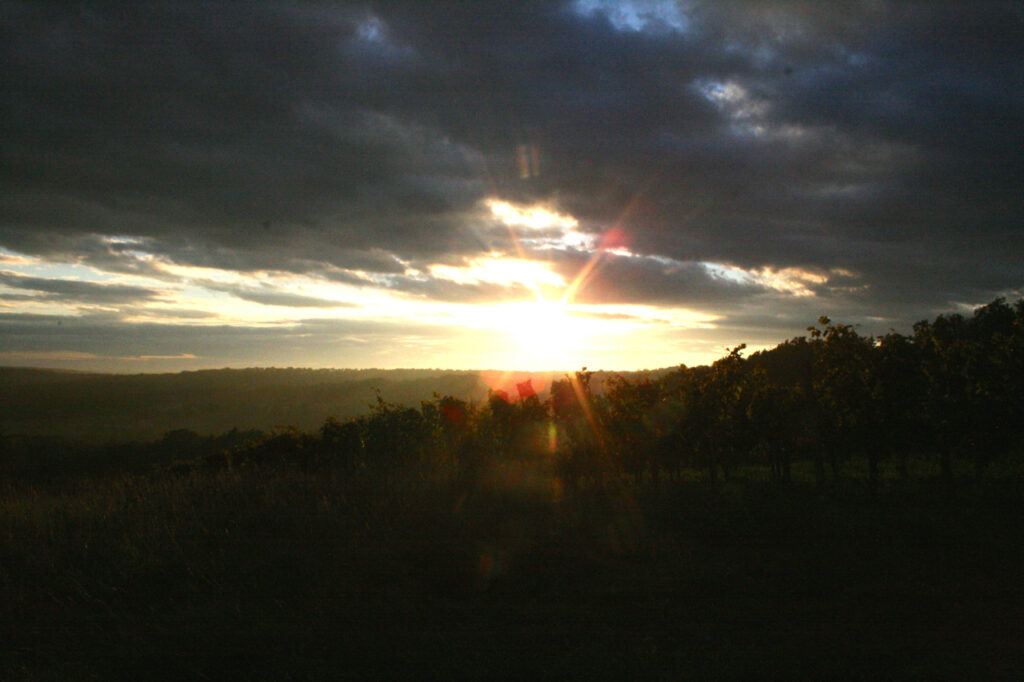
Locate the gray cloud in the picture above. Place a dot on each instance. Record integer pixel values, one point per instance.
(455, 292)
(283, 298)
(31, 339)
(267, 295)
(877, 137)
(76, 291)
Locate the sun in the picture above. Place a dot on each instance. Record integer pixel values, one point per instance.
(543, 335)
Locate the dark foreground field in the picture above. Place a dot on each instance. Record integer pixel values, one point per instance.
(271, 573)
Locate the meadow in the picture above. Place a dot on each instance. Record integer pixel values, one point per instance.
(271, 572)
(721, 522)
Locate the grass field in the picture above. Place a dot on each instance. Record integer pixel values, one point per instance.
(271, 573)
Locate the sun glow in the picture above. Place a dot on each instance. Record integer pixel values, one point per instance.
(797, 282)
(533, 217)
(503, 271)
(551, 334)
(543, 334)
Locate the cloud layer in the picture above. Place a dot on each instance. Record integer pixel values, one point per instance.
(761, 162)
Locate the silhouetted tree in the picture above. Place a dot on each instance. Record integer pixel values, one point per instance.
(393, 435)
(718, 411)
(341, 444)
(631, 426)
(579, 440)
(843, 390)
(899, 397)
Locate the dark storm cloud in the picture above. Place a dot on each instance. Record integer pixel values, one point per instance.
(76, 291)
(880, 137)
(227, 125)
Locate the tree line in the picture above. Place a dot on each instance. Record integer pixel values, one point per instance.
(952, 390)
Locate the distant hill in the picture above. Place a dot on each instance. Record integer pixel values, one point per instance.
(91, 407)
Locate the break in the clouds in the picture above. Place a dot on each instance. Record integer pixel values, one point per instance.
(615, 184)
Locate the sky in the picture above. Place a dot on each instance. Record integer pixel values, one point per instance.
(535, 185)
